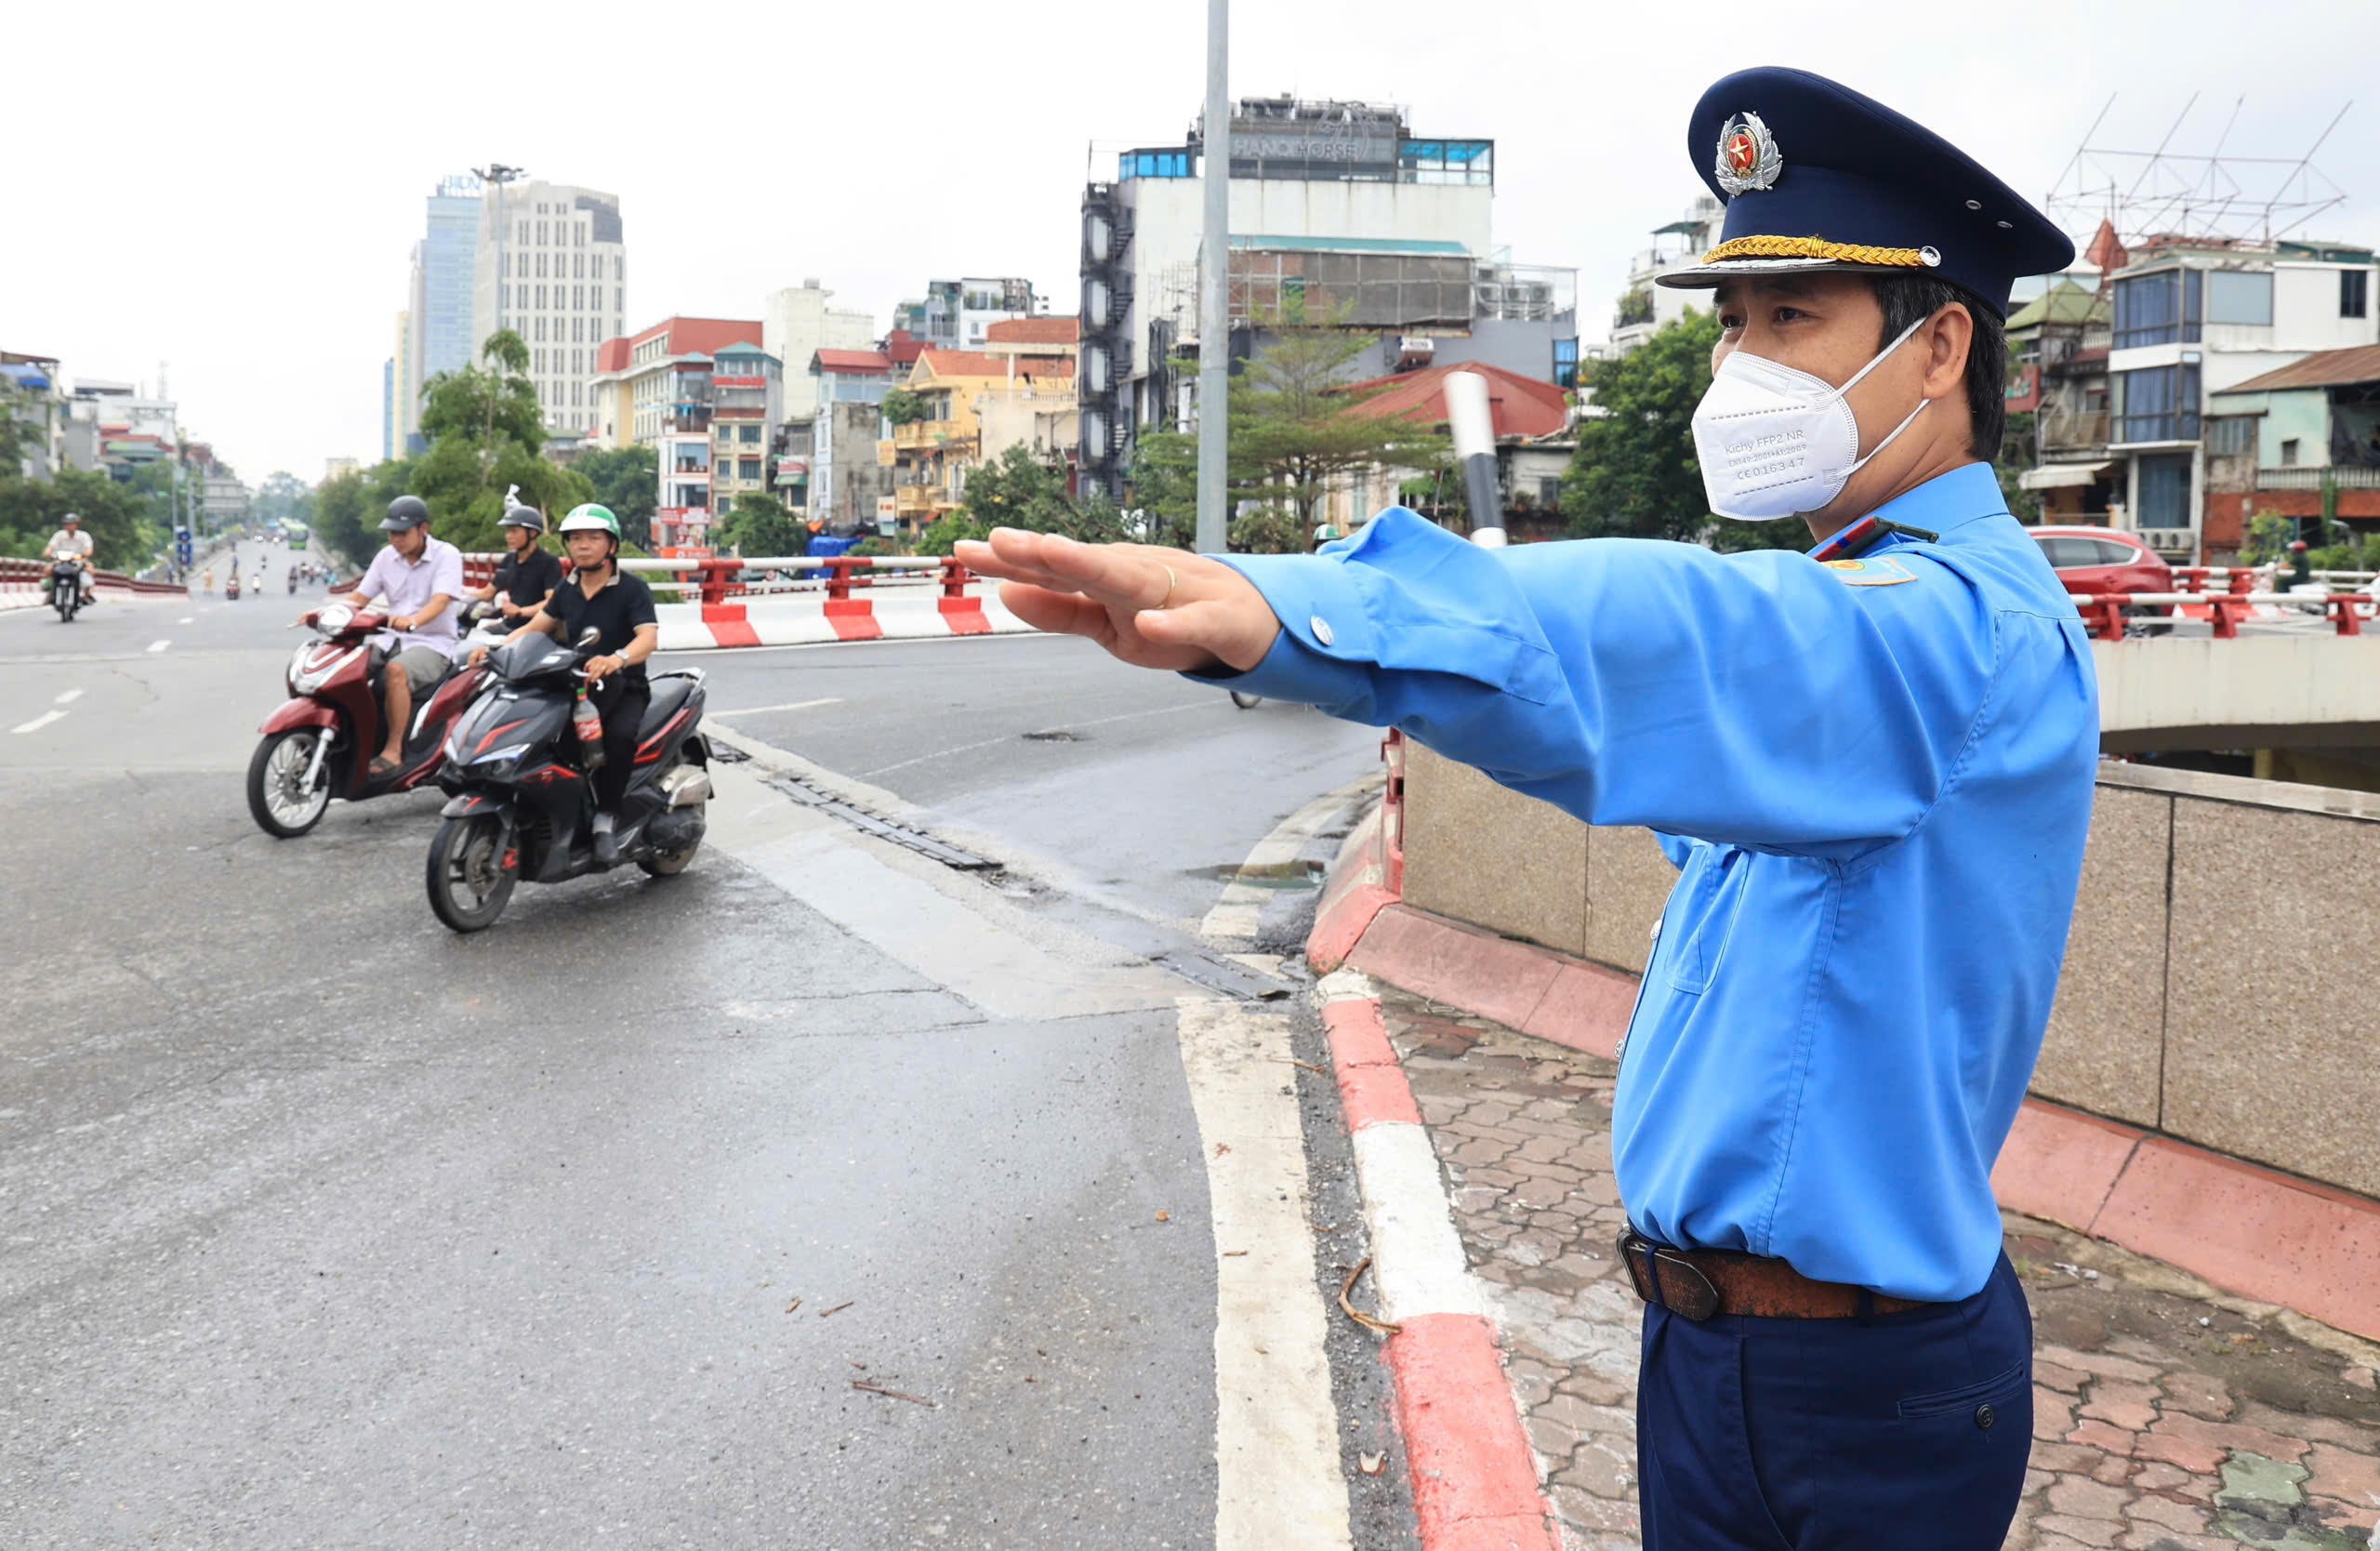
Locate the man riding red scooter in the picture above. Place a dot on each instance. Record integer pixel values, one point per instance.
(348, 693)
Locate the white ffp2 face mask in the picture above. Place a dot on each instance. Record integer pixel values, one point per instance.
(1775, 441)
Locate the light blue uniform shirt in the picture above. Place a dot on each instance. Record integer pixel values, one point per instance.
(1875, 778)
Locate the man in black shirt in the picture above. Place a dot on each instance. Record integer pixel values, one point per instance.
(526, 577)
(618, 607)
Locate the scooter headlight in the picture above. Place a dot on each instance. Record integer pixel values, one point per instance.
(500, 764)
(331, 618)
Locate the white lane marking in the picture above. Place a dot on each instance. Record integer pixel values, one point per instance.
(70, 698)
(1276, 1428)
(184, 619)
(1240, 911)
(792, 706)
(38, 722)
(159, 645)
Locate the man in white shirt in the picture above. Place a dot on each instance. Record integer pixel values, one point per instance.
(70, 539)
(420, 577)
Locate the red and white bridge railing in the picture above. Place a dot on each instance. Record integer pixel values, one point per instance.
(20, 584)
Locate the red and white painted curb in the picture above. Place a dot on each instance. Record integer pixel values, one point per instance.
(812, 619)
(1476, 1484)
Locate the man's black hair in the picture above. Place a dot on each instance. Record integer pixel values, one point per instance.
(1906, 298)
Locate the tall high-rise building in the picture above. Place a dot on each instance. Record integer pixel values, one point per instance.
(553, 269)
(389, 381)
(439, 298)
(404, 393)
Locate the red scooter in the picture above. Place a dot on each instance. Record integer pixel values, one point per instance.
(321, 743)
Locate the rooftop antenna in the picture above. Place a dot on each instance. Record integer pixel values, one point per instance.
(2216, 196)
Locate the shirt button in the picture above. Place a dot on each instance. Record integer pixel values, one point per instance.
(1985, 1416)
(1321, 629)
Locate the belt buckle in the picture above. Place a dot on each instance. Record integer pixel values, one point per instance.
(1684, 1290)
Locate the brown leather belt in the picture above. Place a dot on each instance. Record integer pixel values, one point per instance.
(1699, 1283)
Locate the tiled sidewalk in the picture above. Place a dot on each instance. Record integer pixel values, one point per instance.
(2165, 1419)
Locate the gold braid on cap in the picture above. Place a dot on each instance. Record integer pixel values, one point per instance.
(1816, 247)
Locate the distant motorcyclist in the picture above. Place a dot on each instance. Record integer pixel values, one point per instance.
(619, 608)
(70, 542)
(420, 577)
(527, 575)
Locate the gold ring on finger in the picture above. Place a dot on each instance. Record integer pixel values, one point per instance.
(1171, 581)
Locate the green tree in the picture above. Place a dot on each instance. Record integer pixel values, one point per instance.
(124, 534)
(340, 520)
(1163, 484)
(944, 533)
(902, 407)
(1634, 474)
(1018, 490)
(757, 525)
(1295, 427)
(627, 480)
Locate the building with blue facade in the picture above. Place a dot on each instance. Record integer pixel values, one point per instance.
(442, 296)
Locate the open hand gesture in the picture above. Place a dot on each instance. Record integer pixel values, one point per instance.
(1148, 604)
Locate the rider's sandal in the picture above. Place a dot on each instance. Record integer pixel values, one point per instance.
(383, 766)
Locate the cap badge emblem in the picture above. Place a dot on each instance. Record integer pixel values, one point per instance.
(1748, 157)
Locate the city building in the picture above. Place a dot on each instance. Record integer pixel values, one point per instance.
(846, 478)
(34, 402)
(658, 380)
(402, 435)
(333, 467)
(2194, 319)
(1645, 308)
(2057, 403)
(222, 498)
(116, 427)
(435, 331)
(796, 324)
(1339, 214)
(954, 315)
(977, 405)
(389, 416)
(554, 270)
(747, 398)
(2286, 443)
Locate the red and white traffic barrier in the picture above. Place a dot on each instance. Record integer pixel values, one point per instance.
(808, 619)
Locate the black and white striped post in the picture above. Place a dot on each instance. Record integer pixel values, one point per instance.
(1475, 448)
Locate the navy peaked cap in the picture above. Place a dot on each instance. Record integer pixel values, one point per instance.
(1817, 177)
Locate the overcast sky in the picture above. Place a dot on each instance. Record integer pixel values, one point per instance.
(235, 189)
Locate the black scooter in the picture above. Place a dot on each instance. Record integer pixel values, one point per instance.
(66, 590)
(522, 805)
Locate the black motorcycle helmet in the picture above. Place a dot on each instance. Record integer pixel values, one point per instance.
(524, 517)
(405, 511)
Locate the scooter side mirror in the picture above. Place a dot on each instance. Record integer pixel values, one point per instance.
(588, 637)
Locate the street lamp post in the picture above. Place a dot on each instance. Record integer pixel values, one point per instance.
(499, 175)
(1214, 307)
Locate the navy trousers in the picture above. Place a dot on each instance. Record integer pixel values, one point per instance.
(1906, 1430)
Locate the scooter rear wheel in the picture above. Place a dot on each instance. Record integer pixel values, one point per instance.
(275, 771)
(468, 883)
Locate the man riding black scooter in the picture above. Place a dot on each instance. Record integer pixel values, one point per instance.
(619, 608)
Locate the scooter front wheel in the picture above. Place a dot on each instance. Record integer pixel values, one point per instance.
(469, 881)
(278, 798)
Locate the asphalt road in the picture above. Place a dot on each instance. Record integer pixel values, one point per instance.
(324, 1226)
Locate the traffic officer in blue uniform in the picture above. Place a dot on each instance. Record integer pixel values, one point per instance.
(1873, 764)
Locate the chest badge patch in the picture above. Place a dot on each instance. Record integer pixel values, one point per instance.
(1881, 572)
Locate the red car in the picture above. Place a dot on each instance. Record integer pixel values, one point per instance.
(2092, 561)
